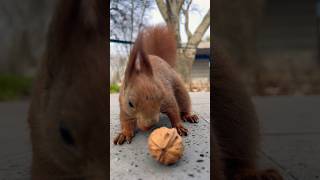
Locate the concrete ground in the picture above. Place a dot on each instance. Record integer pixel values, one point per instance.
(133, 161)
(15, 156)
(291, 133)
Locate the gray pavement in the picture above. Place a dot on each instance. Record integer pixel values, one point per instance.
(133, 161)
(291, 133)
(15, 156)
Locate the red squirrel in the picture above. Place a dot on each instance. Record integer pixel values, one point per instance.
(235, 126)
(69, 107)
(151, 85)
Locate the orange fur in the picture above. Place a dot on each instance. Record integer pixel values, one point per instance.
(68, 111)
(151, 85)
(160, 41)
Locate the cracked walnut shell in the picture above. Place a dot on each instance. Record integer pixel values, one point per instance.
(165, 145)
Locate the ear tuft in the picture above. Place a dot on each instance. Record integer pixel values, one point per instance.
(138, 62)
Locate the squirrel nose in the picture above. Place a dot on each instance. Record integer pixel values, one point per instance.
(146, 122)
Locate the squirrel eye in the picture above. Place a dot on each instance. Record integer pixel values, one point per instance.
(66, 135)
(130, 104)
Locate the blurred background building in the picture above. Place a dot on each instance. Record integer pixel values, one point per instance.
(275, 43)
(289, 30)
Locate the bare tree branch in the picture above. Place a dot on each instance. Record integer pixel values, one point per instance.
(180, 3)
(195, 9)
(186, 15)
(163, 10)
(201, 29)
(142, 15)
(170, 12)
(127, 17)
(132, 19)
(174, 18)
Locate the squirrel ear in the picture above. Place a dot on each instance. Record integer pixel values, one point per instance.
(142, 63)
(138, 62)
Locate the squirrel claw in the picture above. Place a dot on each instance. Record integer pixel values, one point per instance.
(121, 138)
(192, 118)
(182, 131)
(129, 139)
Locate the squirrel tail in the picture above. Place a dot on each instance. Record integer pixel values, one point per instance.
(160, 40)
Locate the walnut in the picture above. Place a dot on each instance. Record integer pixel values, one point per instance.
(165, 145)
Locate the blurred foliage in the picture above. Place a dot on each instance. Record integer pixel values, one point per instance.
(14, 87)
(114, 88)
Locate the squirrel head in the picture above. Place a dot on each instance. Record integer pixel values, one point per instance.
(68, 115)
(72, 127)
(141, 93)
(141, 100)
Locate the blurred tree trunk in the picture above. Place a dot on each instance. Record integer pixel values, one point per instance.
(170, 11)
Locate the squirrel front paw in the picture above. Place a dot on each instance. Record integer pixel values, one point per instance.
(269, 174)
(121, 138)
(192, 118)
(182, 131)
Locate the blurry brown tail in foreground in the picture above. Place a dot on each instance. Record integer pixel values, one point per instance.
(236, 126)
(160, 41)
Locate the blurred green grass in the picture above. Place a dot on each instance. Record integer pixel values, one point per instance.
(14, 87)
(114, 88)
